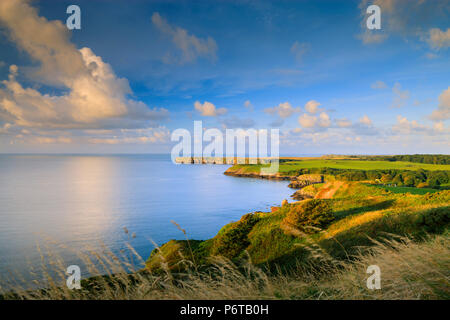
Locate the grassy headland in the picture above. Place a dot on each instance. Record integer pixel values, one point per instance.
(361, 215)
(344, 223)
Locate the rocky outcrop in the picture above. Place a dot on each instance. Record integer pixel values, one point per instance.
(301, 194)
(305, 180)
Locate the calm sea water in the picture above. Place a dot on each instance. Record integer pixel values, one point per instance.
(80, 202)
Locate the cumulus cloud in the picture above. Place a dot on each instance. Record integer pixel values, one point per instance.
(363, 127)
(95, 97)
(283, 110)
(309, 121)
(405, 18)
(312, 106)
(207, 109)
(47, 42)
(324, 120)
(191, 47)
(439, 126)
(443, 110)
(405, 126)
(365, 120)
(438, 39)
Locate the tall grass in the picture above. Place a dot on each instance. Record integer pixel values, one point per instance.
(409, 270)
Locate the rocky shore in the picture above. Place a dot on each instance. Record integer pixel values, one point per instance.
(297, 182)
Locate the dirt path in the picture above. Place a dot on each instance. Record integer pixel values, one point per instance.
(328, 190)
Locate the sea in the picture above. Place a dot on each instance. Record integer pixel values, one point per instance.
(61, 207)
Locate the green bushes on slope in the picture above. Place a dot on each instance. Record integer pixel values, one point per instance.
(234, 239)
(310, 215)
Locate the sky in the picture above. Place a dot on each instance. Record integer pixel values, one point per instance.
(138, 70)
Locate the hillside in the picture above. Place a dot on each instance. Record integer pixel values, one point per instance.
(361, 215)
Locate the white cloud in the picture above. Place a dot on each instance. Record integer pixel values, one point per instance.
(443, 110)
(310, 121)
(365, 120)
(324, 120)
(312, 106)
(438, 39)
(307, 121)
(207, 109)
(439, 126)
(284, 110)
(405, 126)
(95, 98)
(191, 47)
(409, 19)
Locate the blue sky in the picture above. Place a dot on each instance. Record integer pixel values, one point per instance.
(309, 68)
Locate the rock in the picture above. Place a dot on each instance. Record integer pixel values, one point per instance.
(300, 195)
(305, 180)
(284, 202)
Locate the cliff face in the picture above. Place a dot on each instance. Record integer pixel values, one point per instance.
(297, 182)
(240, 172)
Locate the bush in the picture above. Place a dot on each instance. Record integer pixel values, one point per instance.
(234, 240)
(423, 185)
(310, 215)
(435, 220)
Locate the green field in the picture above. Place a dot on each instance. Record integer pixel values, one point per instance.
(400, 173)
(349, 164)
(410, 190)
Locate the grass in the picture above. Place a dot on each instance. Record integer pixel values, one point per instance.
(409, 270)
(361, 213)
(411, 190)
(291, 166)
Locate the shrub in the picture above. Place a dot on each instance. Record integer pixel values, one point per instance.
(172, 255)
(435, 220)
(234, 239)
(310, 215)
(423, 185)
